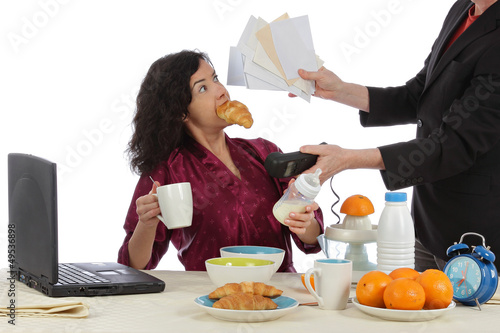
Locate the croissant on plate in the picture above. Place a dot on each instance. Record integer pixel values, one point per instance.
(245, 301)
(254, 288)
(234, 112)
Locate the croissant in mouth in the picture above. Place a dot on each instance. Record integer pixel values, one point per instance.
(234, 112)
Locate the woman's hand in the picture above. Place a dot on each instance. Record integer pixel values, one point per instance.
(140, 245)
(304, 224)
(300, 222)
(147, 208)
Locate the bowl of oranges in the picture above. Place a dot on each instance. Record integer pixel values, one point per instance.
(405, 294)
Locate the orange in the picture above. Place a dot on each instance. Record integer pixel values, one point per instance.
(311, 279)
(404, 272)
(404, 294)
(370, 288)
(438, 289)
(357, 205)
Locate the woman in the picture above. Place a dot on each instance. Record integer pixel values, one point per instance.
(178, 137)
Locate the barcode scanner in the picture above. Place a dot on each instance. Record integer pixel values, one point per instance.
(280, 165)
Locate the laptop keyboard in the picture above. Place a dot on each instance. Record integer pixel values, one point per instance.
(70, 274)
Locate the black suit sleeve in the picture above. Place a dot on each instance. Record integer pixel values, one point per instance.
(394, 105)
(469, 129)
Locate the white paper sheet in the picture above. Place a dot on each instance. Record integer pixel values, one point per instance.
(293, 42)
(235, 73)
(256, 62)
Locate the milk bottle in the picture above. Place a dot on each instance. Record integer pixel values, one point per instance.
(395, 235)
(298, 195)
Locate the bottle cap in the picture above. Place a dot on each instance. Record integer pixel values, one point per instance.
(308, 184)
(395, 196)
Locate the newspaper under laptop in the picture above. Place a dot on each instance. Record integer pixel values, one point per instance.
(33, 215)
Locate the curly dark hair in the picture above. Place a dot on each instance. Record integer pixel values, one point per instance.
(162, 105)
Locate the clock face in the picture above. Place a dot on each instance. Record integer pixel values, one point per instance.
(465, 276)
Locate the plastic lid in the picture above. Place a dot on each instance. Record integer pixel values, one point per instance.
(308, 184)
(395, 196)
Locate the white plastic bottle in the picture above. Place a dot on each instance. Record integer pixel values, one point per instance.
(298, 195)
(395, 234)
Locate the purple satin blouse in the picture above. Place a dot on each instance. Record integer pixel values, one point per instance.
(226, 210)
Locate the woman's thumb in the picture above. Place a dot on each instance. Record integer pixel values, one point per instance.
(155, 186)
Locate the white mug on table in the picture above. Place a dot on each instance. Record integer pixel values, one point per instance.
(332, 279)
(176, 205)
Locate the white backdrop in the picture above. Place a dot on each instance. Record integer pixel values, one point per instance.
(70, 72)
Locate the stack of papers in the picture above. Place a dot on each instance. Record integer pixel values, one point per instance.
(269, 55)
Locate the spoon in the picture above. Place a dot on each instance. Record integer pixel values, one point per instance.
(154, 183)
(309, 304)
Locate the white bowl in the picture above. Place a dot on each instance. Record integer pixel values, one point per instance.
(258, 252)
(236, 270)
(337, 232)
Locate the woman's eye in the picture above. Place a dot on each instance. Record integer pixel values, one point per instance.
(203, 89)
(216, 78)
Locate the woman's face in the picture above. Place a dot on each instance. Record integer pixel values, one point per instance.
(207, 94)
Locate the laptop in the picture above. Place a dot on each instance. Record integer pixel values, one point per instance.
(33, 220)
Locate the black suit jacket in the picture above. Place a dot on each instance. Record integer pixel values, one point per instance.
(454, 162)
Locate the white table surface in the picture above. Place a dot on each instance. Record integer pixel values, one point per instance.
(174, 310)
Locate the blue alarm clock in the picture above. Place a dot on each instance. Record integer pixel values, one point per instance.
(471, 271)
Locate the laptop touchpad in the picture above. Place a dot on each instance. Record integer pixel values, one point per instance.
(108, 272)
(118, 272)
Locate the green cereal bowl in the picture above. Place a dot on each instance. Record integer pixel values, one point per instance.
(257, 252)
(236, 270)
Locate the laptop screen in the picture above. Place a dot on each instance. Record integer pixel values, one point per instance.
(33, 212)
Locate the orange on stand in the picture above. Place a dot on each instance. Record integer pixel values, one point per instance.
(404, 272)
(357, 205)
(404, 294)
(438, 289)
(370, 288)
(311, 279)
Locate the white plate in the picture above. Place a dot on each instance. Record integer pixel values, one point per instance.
(403, 315)
(285, 305)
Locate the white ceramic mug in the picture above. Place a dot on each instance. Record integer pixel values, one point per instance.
(176, 205)
(332, 279)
